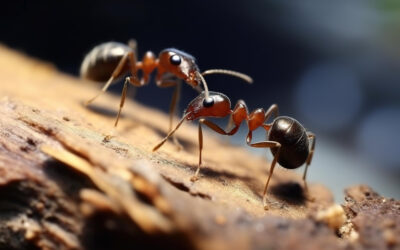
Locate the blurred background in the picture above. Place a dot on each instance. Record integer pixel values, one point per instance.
(333, 65)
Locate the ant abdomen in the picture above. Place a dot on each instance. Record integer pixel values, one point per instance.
(293, 139)
(99, 64)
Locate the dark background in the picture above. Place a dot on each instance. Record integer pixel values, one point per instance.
(333, 65)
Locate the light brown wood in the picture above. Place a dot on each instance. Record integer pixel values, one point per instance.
(67, 175)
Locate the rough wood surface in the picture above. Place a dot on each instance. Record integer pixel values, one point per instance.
(69, 180)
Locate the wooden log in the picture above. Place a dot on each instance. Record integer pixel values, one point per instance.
(69, 180)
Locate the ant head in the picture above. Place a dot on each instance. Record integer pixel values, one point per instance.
(180, 64)
(215, 105)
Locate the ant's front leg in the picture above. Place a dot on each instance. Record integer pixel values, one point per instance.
(170, 133)
(217, 129)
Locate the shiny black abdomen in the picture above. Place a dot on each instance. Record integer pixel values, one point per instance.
(293, 139)
(100, 62)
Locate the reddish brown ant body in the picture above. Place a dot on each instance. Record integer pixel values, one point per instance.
(290, 143)
(112, 60)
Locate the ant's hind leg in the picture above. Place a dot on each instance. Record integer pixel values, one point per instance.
(272, 110)
(311, 137)
(266, 144)
(271, 171)
(124, 93)
(117, 71)
(122, 101)
(123, 97)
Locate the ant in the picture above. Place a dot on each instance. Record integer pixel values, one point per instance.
(289, 142)
(111, 60)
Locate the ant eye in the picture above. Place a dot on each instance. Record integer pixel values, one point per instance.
(175, 60)
(208, 102)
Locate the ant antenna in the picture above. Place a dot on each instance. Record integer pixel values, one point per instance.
(229, 72)
(204, 84)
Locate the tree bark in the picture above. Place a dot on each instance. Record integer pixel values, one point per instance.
(69, 180)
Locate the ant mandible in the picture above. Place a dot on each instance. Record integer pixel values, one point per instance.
(112, 60)
(289, 142)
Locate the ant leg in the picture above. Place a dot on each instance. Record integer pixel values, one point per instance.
(174, 103)
(271, 169)
(173, 109)
(311, 136)
(122, 102)
(195, 176)
(217, 129)
(266, 144)
(128, 56)
(272, 110)
(132, 43)
(123, 96)
(170, 133)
